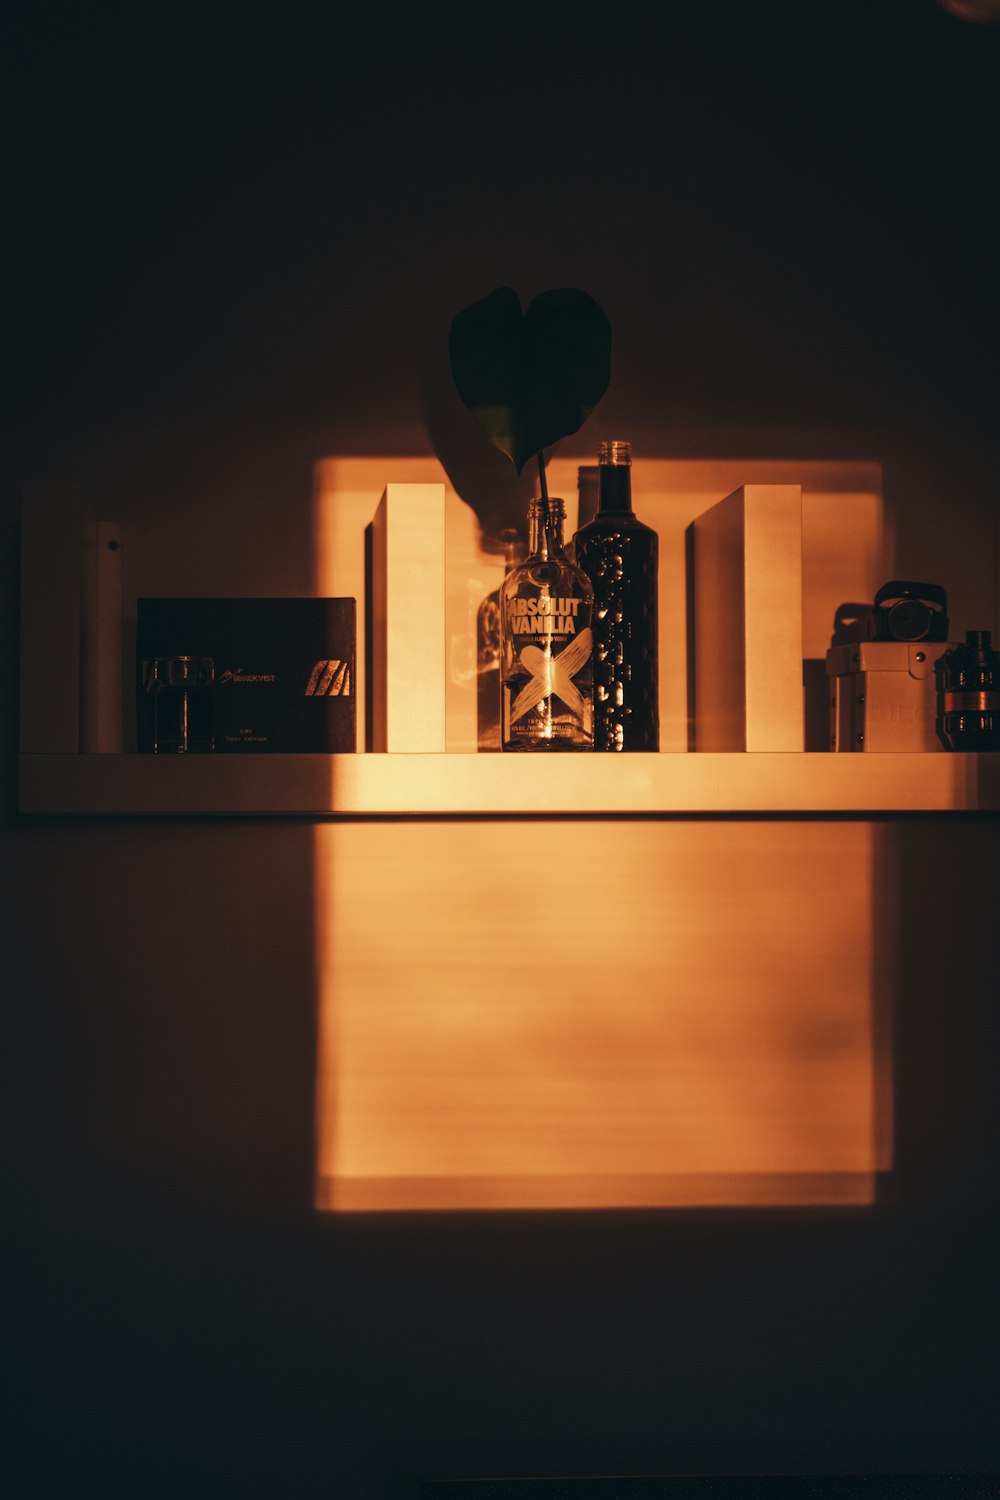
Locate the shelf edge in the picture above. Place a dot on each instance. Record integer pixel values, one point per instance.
(389, 785)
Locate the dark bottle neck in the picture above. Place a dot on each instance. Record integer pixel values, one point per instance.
(615, 471)
(545, 529)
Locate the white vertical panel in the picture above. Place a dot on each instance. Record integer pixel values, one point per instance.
(748, 621)
(56, 538)
(103, 653)
(408, 668)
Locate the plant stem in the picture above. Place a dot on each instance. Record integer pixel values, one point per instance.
(541, 477)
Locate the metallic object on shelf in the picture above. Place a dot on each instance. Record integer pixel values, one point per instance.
(909, 612)
(883, 695)
(969, 695)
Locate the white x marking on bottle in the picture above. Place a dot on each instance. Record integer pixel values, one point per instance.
(552, 674)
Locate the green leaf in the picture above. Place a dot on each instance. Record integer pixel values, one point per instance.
(531, 378)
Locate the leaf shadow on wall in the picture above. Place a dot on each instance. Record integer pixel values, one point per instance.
(480, 474)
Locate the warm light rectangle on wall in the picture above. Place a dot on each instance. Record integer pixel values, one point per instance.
(845, 555)
(543, 1014)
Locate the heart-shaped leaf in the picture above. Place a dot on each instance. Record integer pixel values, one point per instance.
(531, 378)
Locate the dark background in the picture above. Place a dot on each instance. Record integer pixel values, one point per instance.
(235, 242)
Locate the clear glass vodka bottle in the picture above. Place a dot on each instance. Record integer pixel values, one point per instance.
(546, 643)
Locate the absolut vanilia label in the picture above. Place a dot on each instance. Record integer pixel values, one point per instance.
(556, 616)
(547, 665)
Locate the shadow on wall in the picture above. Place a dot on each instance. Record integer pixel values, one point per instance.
(478, 472)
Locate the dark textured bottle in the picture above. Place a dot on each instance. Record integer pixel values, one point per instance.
(620, 556)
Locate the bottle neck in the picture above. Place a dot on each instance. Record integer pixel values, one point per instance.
(615, 478)
(545, 529)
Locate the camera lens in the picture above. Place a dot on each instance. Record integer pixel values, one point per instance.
(909, 620)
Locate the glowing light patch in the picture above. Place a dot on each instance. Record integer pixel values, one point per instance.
(543, 1015)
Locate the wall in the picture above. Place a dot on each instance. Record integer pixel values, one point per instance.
(238, 247)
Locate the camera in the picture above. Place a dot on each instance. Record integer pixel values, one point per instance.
(909, 612)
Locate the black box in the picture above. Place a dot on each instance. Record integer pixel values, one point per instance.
(284, 669)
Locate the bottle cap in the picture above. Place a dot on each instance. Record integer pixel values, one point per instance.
(180, 671)
(555, 507)
(615, 452)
